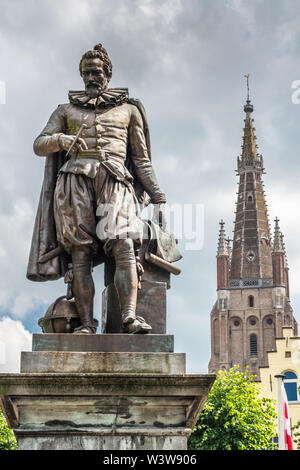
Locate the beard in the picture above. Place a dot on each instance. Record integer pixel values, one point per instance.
(95, 89)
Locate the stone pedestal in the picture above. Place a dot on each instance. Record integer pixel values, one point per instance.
(74, 393)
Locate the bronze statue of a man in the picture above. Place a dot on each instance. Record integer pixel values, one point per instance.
(98, 154)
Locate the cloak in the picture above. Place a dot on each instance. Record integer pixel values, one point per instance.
(44, 238)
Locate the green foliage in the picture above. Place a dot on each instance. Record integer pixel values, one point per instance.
(296, 434)
(234, 417)
(296, 431)
(7, 437)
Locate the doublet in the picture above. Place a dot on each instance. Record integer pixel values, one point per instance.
(110, 131)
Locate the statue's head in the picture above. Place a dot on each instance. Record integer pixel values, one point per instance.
(96, 69)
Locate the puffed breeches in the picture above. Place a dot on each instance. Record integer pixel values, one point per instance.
(88, 210)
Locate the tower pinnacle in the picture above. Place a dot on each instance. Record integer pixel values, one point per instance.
(286, 269)
(228, 241)
(222, 244)
(278, 246)
(284, 249)
(222, 259)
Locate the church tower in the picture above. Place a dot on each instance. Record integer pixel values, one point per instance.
(253, 299)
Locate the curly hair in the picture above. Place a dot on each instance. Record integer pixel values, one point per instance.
(98, 53)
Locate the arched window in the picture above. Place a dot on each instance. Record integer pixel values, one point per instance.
(250, 198)
(251, 301)
(291, 386)
(253, 346)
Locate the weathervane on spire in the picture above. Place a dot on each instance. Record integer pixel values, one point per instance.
(247, 76)
(248, 108)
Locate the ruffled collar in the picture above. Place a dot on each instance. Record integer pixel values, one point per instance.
(111, 97)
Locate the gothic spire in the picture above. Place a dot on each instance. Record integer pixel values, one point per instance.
(251, 252)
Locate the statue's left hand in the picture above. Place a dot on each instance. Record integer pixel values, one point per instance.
(159, 216)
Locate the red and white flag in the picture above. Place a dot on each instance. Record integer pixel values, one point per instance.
(287, 425)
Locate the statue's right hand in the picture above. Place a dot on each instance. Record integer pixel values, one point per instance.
(65, 142)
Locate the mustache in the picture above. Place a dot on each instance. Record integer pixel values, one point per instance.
(95, 84)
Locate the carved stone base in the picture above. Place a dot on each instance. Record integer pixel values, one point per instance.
(125, 440)
(102, 411)
(102, 400)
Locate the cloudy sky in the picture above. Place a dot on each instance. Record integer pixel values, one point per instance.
(185, 59)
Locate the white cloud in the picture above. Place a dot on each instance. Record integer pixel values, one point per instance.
(23, 304)
(77, 16)
(13, 339)
(166, 11)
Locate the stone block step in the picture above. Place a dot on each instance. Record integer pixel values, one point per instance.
(103, 342)
(102, 362)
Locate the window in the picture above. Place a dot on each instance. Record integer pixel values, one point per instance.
(253, 346)
(291, 386)
(250, 256)
(251, 301)
(250, 196)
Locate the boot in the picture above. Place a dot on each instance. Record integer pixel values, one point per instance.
(126, 283)
(83, 289)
